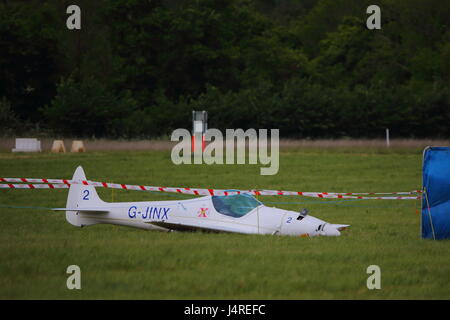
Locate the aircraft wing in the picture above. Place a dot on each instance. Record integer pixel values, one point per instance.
(340, 227)
(190, 227)
(86, 210)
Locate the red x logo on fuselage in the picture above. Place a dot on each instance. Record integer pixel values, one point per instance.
(203, 212)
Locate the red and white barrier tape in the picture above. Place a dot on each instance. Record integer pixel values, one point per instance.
(31, 183)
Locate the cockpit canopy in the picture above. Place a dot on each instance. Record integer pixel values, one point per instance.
(235, 205)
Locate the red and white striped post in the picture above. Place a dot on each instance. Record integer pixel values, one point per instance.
(199, 127)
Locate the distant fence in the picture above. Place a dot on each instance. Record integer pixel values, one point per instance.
(6, 144)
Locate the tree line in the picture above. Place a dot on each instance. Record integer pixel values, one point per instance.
(311, 68)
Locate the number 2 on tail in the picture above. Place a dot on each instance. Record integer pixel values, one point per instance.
(86, 195)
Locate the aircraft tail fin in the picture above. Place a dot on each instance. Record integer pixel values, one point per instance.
(81, 196)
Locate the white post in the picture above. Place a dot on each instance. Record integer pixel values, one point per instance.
(387, 138)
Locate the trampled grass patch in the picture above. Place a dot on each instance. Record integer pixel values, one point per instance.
(37, 245)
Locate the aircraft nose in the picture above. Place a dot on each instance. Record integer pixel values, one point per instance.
(330, 230)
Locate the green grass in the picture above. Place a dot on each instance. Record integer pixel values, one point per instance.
(36, 246)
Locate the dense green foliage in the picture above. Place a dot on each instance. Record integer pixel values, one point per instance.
(37, 245)
(310, 68)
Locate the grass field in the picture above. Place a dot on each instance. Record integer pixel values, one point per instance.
(37, 245)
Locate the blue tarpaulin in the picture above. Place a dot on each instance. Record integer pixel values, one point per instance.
(436, 193)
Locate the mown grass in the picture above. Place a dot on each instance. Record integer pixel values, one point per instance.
(37, 245)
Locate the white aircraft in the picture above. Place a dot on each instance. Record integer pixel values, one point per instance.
(241, 213)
